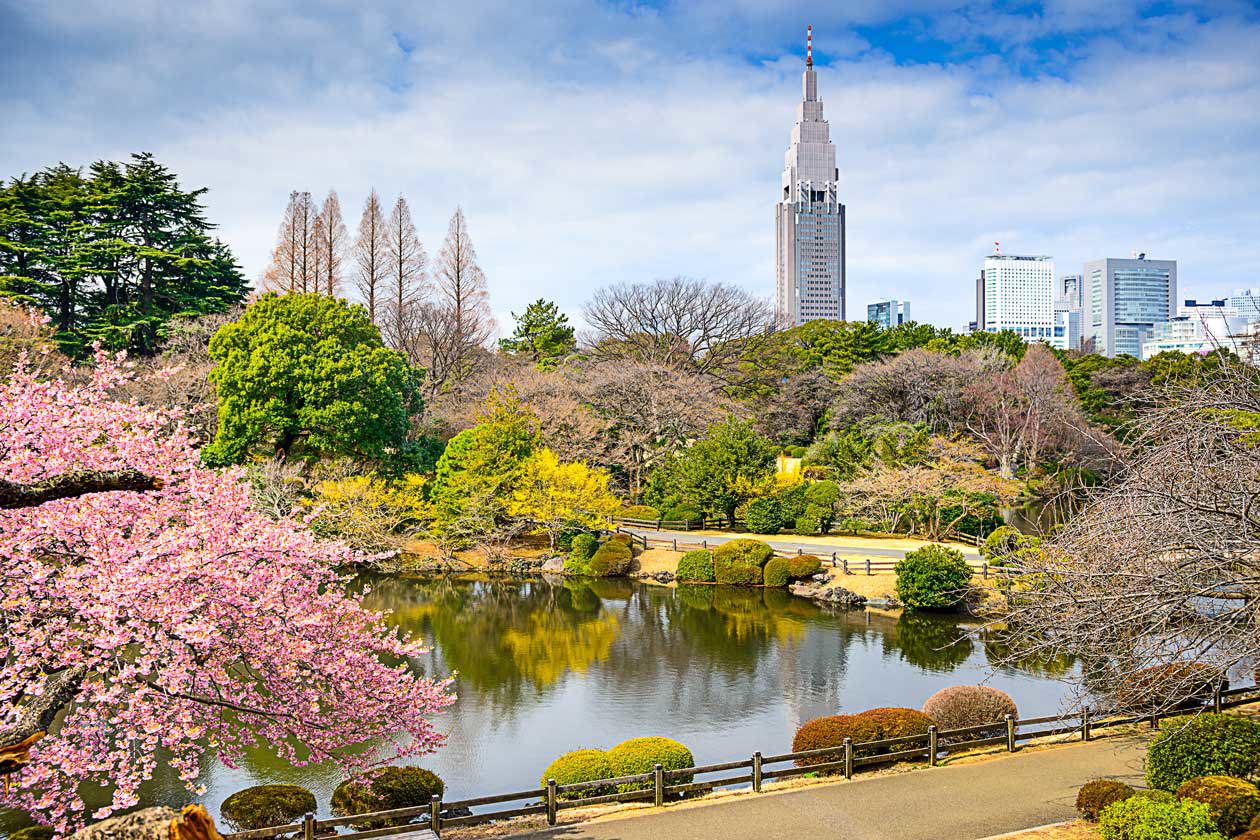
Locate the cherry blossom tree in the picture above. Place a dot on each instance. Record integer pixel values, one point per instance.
(148, 615)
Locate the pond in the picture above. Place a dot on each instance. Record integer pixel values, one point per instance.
(544, 668)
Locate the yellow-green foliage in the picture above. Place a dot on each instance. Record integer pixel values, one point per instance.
(776, 573)
(803, 566)
(369, 513)
(696, 567)
(266, 805)
(385, 789)
(611, 559)
(559, 496)
(640, 755)
(1233, 802)
(580, 766)
(739, 562)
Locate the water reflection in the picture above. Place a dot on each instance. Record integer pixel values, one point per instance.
(543, 667)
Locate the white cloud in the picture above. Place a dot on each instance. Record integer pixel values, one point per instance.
(626, 157)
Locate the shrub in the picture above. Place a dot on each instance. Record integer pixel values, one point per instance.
(1162, 686)
(622, 537)
(803, 566)
(1000, 544)
(963, 706)
(812, 521)
(1098, 794)
(385, 789)
(266, 805)
(682, 513)
(580, 766)
(1203, 745)
(696, 567)
(776, 572)
(897, 723)
(1146, 818)
(611, 559)
(821, 733)
(1233, 802)
(739, 562)
(932, 578)
(579, 560)
(36, 832)
(640, 755)
(764, 516)
(639, 512)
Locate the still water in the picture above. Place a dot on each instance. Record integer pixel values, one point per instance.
(543, 668)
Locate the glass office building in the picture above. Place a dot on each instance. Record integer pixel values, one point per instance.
(1125, 299)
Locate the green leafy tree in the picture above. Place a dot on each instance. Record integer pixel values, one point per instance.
(308, 374)
(542, 332)
(112, 255)
(721, 471)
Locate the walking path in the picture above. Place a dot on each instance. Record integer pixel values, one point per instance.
(852, 546)
(960, 802)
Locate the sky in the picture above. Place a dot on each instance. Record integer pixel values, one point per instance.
(592, 143)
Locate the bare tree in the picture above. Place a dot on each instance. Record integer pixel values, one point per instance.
(292, 267)
(371, 260)
(330, 243)
(1163, 567)
(407, 264)
(679, 322)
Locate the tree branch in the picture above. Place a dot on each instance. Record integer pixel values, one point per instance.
(32, 723)
(72, 485)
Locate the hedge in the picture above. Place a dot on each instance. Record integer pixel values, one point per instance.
(1098, 794)
(639, 512)
(739, 562)
(1203, 745)
(934, 577)
(640, 755)
(1233, 802)
(764, 516)
(682, 513)
(897, 723)
(964, 706)
(696, 567)
(803, 566)
(583, 549)
(776, 573)
(580, 766)
(266, 805)
(385, 789)
(611, 559)
(1148, 818)
(830, 731)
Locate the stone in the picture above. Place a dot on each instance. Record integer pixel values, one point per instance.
(145, 824)
(553, 565)
(821, 592)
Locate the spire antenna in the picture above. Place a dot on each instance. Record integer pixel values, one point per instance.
(809, 45)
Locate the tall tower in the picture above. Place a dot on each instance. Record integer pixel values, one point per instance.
(809, 218)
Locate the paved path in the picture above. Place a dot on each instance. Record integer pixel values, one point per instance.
(961, 802)
(851, 546)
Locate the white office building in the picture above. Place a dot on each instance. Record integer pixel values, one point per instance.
(1066, 332)
(1018, 295)
(1247, 303)
(1124, 300)
(809, 218)
(1201, 327)
(888, 313)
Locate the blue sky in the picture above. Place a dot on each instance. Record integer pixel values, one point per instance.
(597, 142)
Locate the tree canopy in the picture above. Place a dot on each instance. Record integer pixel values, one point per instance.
(307, 373)
(542, 333)
(112, 255)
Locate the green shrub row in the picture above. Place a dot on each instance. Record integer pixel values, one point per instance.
(629, 758)
(806, 508)
(381, 789)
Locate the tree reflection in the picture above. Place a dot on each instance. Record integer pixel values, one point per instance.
(1002, 652)
(929, 642)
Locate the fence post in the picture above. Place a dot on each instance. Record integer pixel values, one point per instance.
(1010, 733)
(833, 559)
(799, 551)
(868, 565)
(659, 522)
(658, 785)
(1217, 701)
(308, 826)
(984, 569)
(932, 745)
(435, 814)
(757, 772)
(846, 565)
(1085, 724)
(551, 802)
(1154, 719)
(848, 758)
(704, 544)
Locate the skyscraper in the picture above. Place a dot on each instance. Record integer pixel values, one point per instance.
(1124, 300)
(888, 313)
(809, 218)
(1018, 295)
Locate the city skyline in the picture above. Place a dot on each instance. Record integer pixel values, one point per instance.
(939, 109)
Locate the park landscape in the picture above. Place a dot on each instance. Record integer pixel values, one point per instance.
(324, 547)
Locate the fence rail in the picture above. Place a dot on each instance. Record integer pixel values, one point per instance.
(720, 524)
(838, 559)
(845, 758)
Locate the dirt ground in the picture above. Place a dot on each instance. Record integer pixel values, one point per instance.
(1075, 830)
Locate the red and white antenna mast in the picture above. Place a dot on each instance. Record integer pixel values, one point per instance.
(997, 247)
(809, 45)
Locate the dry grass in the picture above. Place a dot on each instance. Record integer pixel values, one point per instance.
(844, 545)
(1075, 830)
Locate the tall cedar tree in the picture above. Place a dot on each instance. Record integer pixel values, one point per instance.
(293, 264)
(112, 255)
(461, 294)
(331, 242)
(370, 257)
(406, 272)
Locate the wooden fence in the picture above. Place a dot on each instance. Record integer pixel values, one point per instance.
(660, 784)
(722, 524)
(838, 559)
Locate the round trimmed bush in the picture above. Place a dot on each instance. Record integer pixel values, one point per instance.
(1162, 686)
(739, 562)
(1098, 794)
(682, 513)
(830, 731)
(266, 805)
(580, 553)
(1002, 543)
(776, 573)
(36, 832)
(696, 567)
(580, 766)
(897, 723)
(639, 512)
(385, 789)
(964, 706)
(640, 755)
(611, 559)
(1148, 818)
(764, 516)
(1203, 745)
(803, 566)
(934, 577)
(1233, 802)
